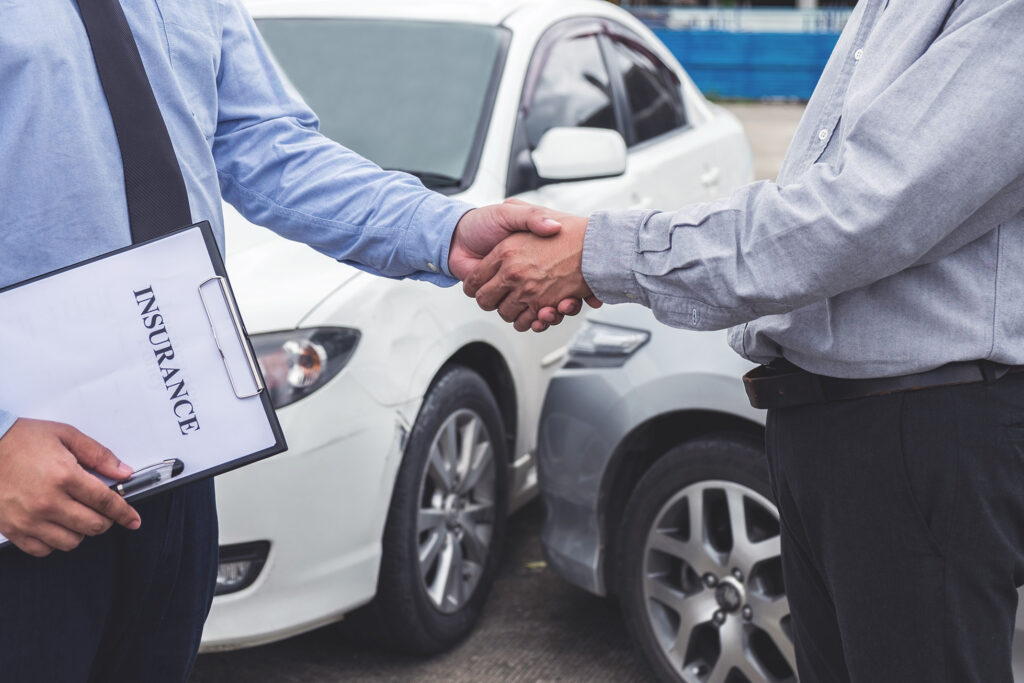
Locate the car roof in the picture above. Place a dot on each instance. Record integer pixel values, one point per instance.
(490, 12)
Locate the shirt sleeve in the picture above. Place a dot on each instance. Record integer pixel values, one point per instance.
(7, 421)
(278, 171)
(933, 163)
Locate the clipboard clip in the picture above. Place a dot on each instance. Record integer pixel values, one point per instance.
(236, 320)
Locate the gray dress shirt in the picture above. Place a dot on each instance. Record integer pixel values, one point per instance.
(893, 240)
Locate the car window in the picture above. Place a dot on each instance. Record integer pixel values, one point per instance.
(653, 91)
(417, 106)
(573, 89)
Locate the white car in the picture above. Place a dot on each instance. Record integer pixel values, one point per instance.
(411, 415)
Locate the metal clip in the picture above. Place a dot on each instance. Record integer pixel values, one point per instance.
(236, 319)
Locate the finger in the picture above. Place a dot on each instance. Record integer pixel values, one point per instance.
(570, 306)
(524, 320)
(93, 455)
(31, 545)
(57, 537)
(491, 294)
(80, 519)
(484, 273)
(539, 326)
(547, 314)
(594, 302)
(510, 310)
(91, 492)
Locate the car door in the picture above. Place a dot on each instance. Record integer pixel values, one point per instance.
(673, 159)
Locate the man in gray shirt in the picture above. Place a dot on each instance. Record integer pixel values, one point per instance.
(888, 256)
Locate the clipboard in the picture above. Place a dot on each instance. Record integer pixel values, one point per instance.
(144, 350)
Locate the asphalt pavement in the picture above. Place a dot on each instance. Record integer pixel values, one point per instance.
(536, 627)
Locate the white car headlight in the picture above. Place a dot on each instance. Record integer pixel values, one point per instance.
(602, 345)
(295, 363)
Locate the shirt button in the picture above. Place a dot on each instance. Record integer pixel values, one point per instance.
(823, 134)
(433, 268)
(858, 54)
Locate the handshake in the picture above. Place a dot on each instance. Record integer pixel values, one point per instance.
(524, 261)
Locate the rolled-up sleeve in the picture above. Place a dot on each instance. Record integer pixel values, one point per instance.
(279, 171)
(933, 163)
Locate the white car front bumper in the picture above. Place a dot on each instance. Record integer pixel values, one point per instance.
(321, 505)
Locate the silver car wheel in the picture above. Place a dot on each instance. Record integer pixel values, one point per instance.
(712, 585)
(456, 515)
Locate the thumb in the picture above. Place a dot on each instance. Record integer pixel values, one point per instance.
(543, 226)
(93, 455)
(520, 216)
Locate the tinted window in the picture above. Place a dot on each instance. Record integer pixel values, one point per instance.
(415, 106)
(653, 91)
(573, 89)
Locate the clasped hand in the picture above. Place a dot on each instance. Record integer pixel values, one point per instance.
(523, 261)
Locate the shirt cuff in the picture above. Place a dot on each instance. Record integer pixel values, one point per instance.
(7, 421)
(429, 237)
(609, 249)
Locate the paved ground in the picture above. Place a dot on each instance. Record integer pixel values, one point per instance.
(536, 627)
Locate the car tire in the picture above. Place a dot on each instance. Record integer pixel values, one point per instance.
(699, 572)
(409, 613)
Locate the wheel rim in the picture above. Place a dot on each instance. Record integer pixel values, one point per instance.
(712, 586)
(456, 510)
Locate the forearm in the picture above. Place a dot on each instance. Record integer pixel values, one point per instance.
(276, 168)
(320, 193)
(927, 168)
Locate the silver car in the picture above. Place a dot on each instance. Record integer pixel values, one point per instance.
(655, 489)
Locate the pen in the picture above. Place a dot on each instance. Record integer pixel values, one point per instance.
(148, 476)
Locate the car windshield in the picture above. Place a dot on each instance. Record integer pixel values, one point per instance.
(409, 95)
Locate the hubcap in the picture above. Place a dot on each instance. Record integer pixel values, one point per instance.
(456, 514)
(712, 583)
(730, 595)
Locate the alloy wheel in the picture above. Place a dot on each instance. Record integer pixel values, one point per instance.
(457, 509)
(712, 586)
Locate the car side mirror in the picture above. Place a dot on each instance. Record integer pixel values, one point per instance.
(579, 154)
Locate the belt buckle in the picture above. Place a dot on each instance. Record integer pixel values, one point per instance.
(772, 387)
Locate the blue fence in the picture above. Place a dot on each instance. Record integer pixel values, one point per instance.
(751, 65)
(750, 54)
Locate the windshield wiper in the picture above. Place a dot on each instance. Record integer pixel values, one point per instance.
(431, 179)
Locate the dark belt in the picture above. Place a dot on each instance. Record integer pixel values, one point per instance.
(784, 385)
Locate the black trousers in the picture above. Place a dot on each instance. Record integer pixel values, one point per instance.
(903, 533)
(122, 607)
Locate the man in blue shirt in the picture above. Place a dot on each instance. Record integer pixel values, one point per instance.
(130, 604)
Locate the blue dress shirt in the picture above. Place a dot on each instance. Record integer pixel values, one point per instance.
(240, 132)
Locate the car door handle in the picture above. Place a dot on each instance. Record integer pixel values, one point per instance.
(711, 176)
